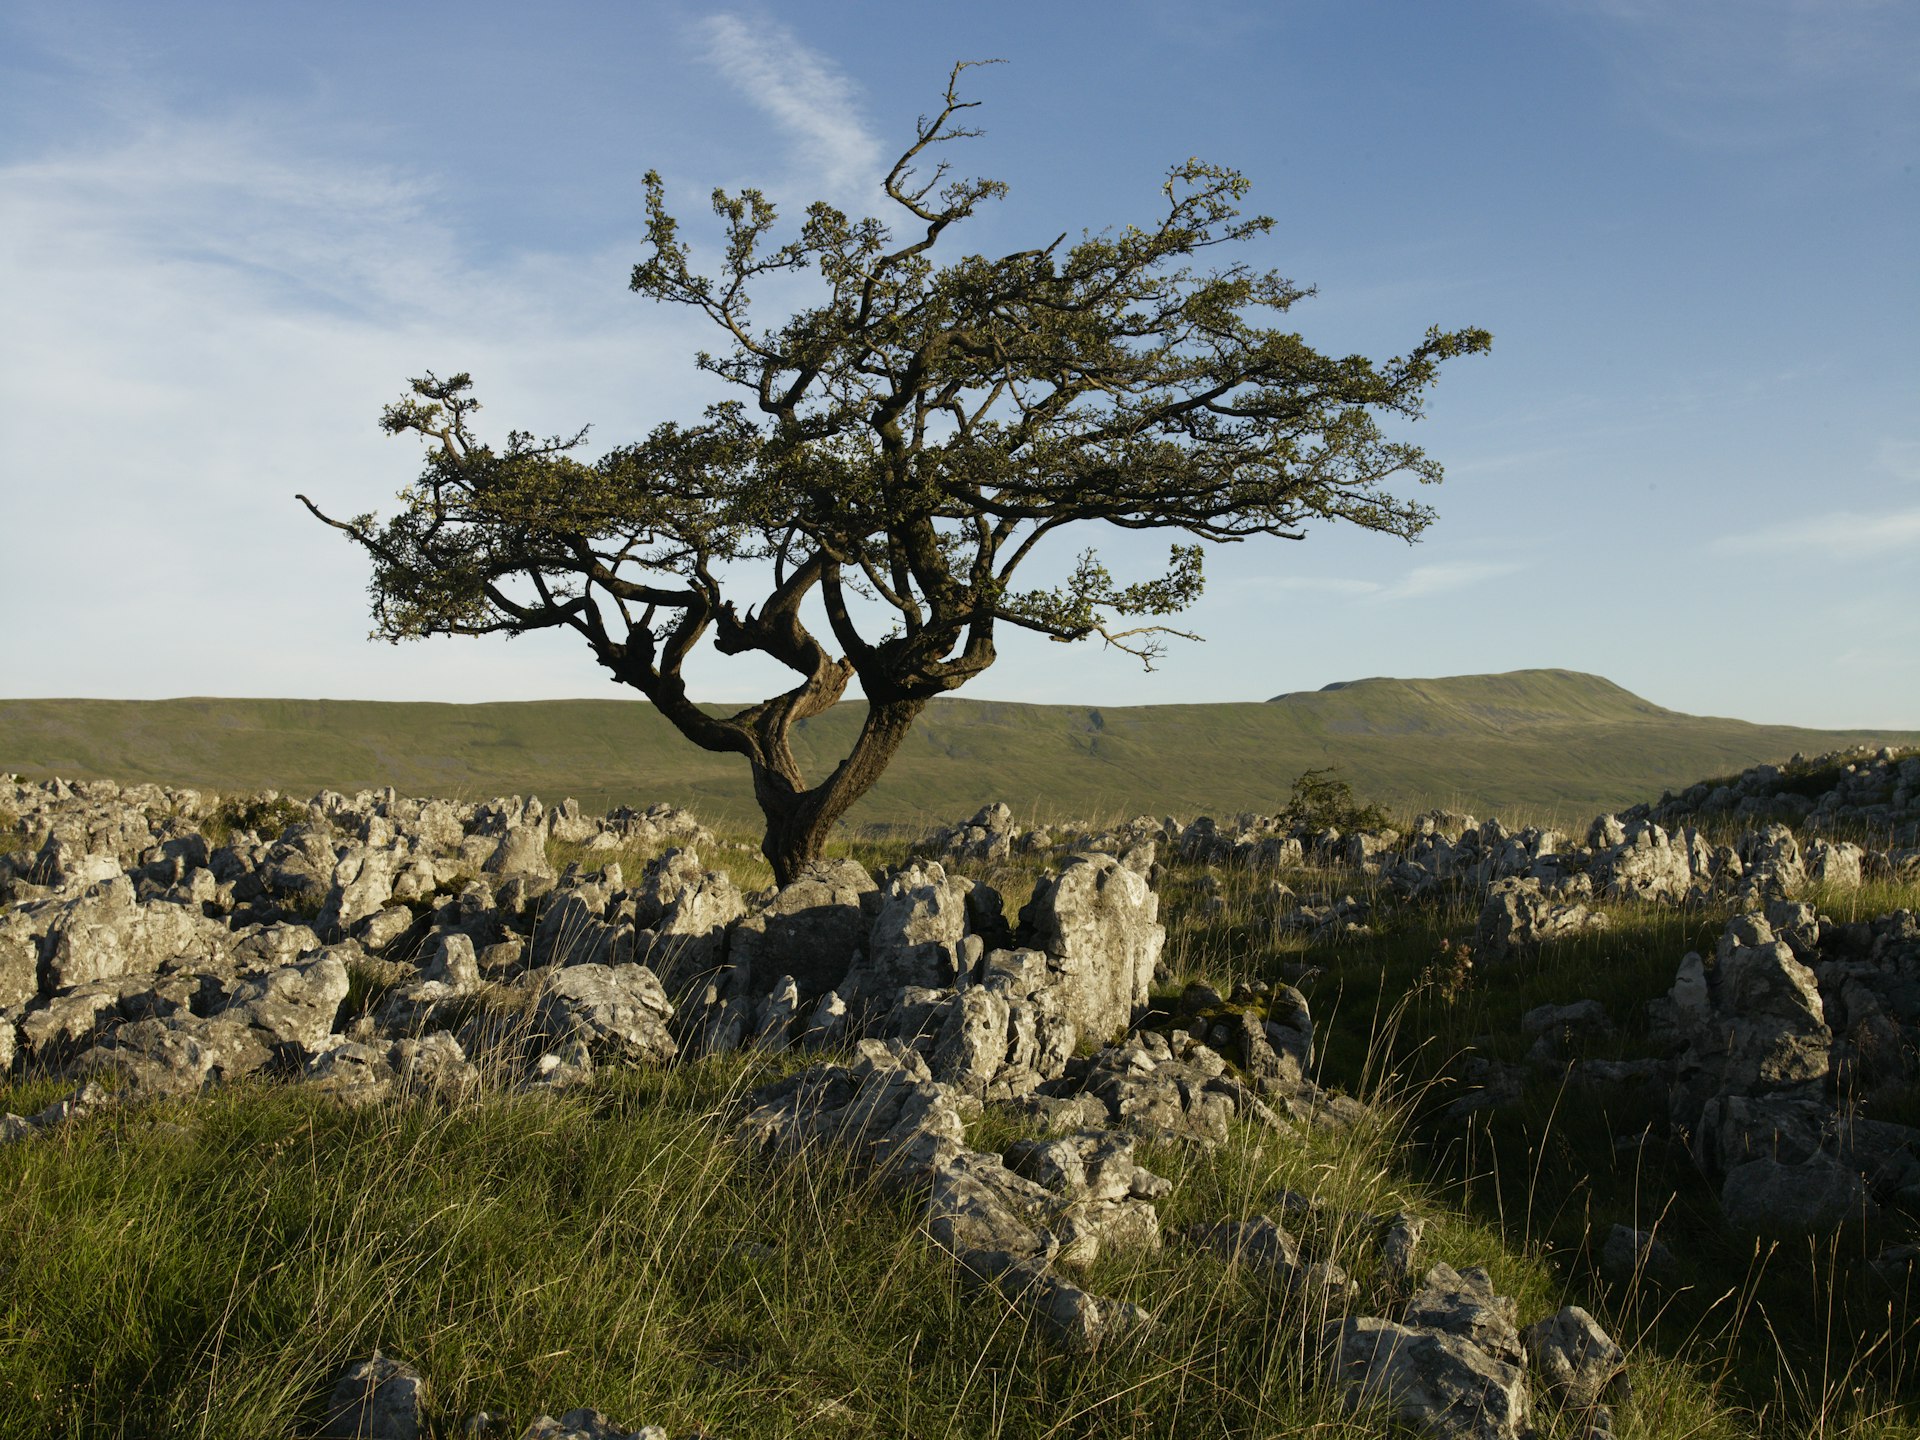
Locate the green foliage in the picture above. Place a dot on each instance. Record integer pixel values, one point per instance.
(896, 452)
(267, 816)
(1321, 800)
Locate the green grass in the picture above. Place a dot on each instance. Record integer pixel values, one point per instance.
(207, 1269)
(1549, 742)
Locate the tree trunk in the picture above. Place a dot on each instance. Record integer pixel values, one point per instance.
(799, 821)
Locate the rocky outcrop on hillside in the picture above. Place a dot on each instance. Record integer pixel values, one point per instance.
(1870, 792)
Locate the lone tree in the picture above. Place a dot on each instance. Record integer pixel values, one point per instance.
(901, 447)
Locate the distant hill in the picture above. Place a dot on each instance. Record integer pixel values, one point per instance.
(1543, 743)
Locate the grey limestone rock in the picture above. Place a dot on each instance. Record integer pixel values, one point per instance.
(1753, 1022)
(812, 929)
(1264, 1246)
(919, 937)
(108, 932)
(1080, 1321)
(299, 1004)
(1439, 1383)
(586, 1425)
(1462, 1303)
(19, 956)
(682, 911)
(1578, 1362)
(362, 885)
(179, 1055)
(1519, 914)
(1646, 864)
(378, 1398)
(988, 1217)
(885, 1107)
(1629, 1252)
(453, 962)
(618, 1011)
(989, 835)
(1818, 1193)
(522, 850)
(383, 927)
(1399, 1242)
(1097, 921)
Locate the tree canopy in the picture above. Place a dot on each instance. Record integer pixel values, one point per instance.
(897, 450)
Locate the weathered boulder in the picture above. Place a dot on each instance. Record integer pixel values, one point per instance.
(297, 1005)
(1629, 1253)
(1097, 922)
(1646, 864)
(886, 1108)
(989, 835)
(1519, 914)
(378, 1398)
(999, 1037)
(1818, 1193)
(1143, 1087)
(1834, 862)
(108, 932)
(1462, 1303)
(618, 1011)
(989, 1218)
(1079, 1320)
(919, 937)
(363, 1073)
(586, 1425)
(180, 1055)
(1267, 1248)
(572, 932)
(1753, 1022)
(812, 929)
(452, 962)
(299, 866)
(1438, 1383)
(19, 956)
(1557, 1031)
(362, 885)
(522, 850)
(682, 911)
(1774, 866)
(1576, 1359)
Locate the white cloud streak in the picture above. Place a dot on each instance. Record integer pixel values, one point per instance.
(1423, 582)
(202, 322)
(800, 90)
(1840, 535)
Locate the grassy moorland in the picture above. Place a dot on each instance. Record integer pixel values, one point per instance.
(207, 1268)
(1547, 742)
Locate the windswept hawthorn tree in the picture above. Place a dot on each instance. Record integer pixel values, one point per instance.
(901, 447)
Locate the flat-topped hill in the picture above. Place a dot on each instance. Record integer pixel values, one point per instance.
(1538, 742)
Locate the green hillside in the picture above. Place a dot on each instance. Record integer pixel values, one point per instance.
(1539, 742)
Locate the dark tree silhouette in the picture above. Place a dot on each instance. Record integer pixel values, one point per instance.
(900, 448)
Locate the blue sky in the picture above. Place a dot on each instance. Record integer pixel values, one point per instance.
(229, 232)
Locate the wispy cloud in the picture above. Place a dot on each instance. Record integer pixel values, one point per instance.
(203, 320)
(1426, 581)
(1842, 534)
(800, 90)
(1420, 583)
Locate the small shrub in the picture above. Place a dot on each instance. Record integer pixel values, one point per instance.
(1321, 800)
(268, 817)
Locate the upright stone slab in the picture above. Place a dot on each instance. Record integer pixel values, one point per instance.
(1097, 921)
